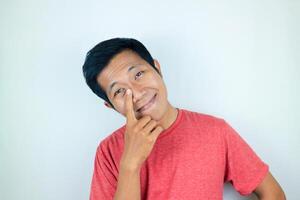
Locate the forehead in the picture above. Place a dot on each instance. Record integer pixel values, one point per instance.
(118, 66)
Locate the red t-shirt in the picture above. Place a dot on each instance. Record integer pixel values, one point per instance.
(190, 160)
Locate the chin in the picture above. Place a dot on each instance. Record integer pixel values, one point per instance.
(158, 113)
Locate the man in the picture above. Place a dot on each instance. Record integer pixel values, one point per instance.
(163, 152)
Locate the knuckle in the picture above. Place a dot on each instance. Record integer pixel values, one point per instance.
(159, 128)
(128, 126)
(154, 123)
(147, 118)
(135, 128)
(150, 139)
(143, 132)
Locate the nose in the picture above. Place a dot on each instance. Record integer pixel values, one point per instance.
(137, 93)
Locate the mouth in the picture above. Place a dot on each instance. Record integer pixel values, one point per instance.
(147, 105)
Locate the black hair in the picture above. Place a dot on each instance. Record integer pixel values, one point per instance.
(99, 56)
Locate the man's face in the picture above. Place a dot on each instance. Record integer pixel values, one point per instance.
(127, 70)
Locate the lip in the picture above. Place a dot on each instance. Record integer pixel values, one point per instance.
(149, 104)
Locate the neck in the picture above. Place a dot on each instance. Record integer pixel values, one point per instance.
(169, 117)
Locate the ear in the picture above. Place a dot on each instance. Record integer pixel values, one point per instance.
(157, 66)
(107, 104)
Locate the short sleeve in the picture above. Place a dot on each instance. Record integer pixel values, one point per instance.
(104, 182)
(244, 168)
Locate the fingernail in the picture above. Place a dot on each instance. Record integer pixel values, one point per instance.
(128, 91)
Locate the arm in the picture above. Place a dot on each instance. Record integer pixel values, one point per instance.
(128, 186)
(139, 141)
(269, 189)
(245, 169)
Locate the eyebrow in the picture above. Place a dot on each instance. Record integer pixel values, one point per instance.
(114, 83)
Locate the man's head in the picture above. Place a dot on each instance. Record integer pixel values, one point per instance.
(115, 65)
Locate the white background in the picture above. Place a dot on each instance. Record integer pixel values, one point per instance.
(238, 60)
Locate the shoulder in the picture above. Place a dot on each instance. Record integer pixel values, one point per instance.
(113, 140)
(203, 119)
(208, 127)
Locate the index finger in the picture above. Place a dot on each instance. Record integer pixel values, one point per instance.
(129, 111)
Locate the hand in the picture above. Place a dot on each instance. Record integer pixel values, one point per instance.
(140, 136)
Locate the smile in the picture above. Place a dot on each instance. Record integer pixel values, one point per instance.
(148, 105)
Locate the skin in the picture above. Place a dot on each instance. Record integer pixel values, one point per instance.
(144, 82)
(140, 136)
(143, 86)
(269, 189)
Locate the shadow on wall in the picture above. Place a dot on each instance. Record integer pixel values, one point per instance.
(230, 192)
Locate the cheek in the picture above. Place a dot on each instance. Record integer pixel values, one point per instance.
(155, 81)
(159, 84)
(120, 105)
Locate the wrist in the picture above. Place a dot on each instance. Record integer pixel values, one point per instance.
(129, 167)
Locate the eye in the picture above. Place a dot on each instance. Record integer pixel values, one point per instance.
(139, 74)
(118, 91)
